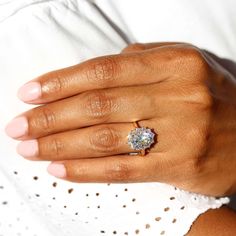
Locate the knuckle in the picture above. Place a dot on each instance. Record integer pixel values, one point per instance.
(134, 47)
(55, 84)
(194, 58)
(118, 172)
(202, 96)
(197, 139)
(44, 120)
(98, 105)
(206, 99)
(56, 147)
(103, 70)
(51, 147)
(195, 134)
(105, 140)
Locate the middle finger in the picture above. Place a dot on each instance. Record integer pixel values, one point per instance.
(114, 105)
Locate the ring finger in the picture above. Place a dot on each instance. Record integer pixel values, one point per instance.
(94, 141)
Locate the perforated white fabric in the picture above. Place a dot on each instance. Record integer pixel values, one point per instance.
(39, 36)
(36, 204)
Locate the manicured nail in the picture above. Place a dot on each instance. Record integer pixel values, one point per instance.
(28, 149)
(30, 92)
(17, 127)
(57, 170)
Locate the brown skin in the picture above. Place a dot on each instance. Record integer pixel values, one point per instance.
(219, 222)
(191, 104)
(177, 89)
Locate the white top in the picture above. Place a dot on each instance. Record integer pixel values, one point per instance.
(37, 36)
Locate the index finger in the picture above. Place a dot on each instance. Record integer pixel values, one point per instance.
(102, 72)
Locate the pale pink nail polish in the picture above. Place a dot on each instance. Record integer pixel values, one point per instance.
(28, 149)
(30, 92)
(17, 128)
(57, 170)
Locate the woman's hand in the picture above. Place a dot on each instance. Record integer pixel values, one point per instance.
(177, 90)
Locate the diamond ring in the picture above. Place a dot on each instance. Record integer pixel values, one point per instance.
(140, 138)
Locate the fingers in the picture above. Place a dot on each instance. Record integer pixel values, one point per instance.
(103, 72)
(95, 141)
(115, 105)
(114, 169)
(101, 140)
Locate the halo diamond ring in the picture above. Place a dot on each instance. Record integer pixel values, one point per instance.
(140, 138)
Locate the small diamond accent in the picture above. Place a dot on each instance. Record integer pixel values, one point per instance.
(140, 138)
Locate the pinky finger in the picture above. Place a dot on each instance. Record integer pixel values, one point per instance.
(115, 169)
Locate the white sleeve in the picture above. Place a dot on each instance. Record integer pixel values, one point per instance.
(206, 24)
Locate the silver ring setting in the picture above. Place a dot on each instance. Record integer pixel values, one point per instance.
(140, 138)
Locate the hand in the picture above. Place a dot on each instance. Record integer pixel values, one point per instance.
(178, 90)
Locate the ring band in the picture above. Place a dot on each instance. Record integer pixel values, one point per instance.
(140, 139)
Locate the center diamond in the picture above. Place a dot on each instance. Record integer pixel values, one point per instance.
(140, 138)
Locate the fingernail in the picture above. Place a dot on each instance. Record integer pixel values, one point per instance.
(17, 127)
(28, 149)
(30, 91)
(57, 170)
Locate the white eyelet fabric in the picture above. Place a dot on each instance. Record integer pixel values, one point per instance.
(36, 204)
(38, 36)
